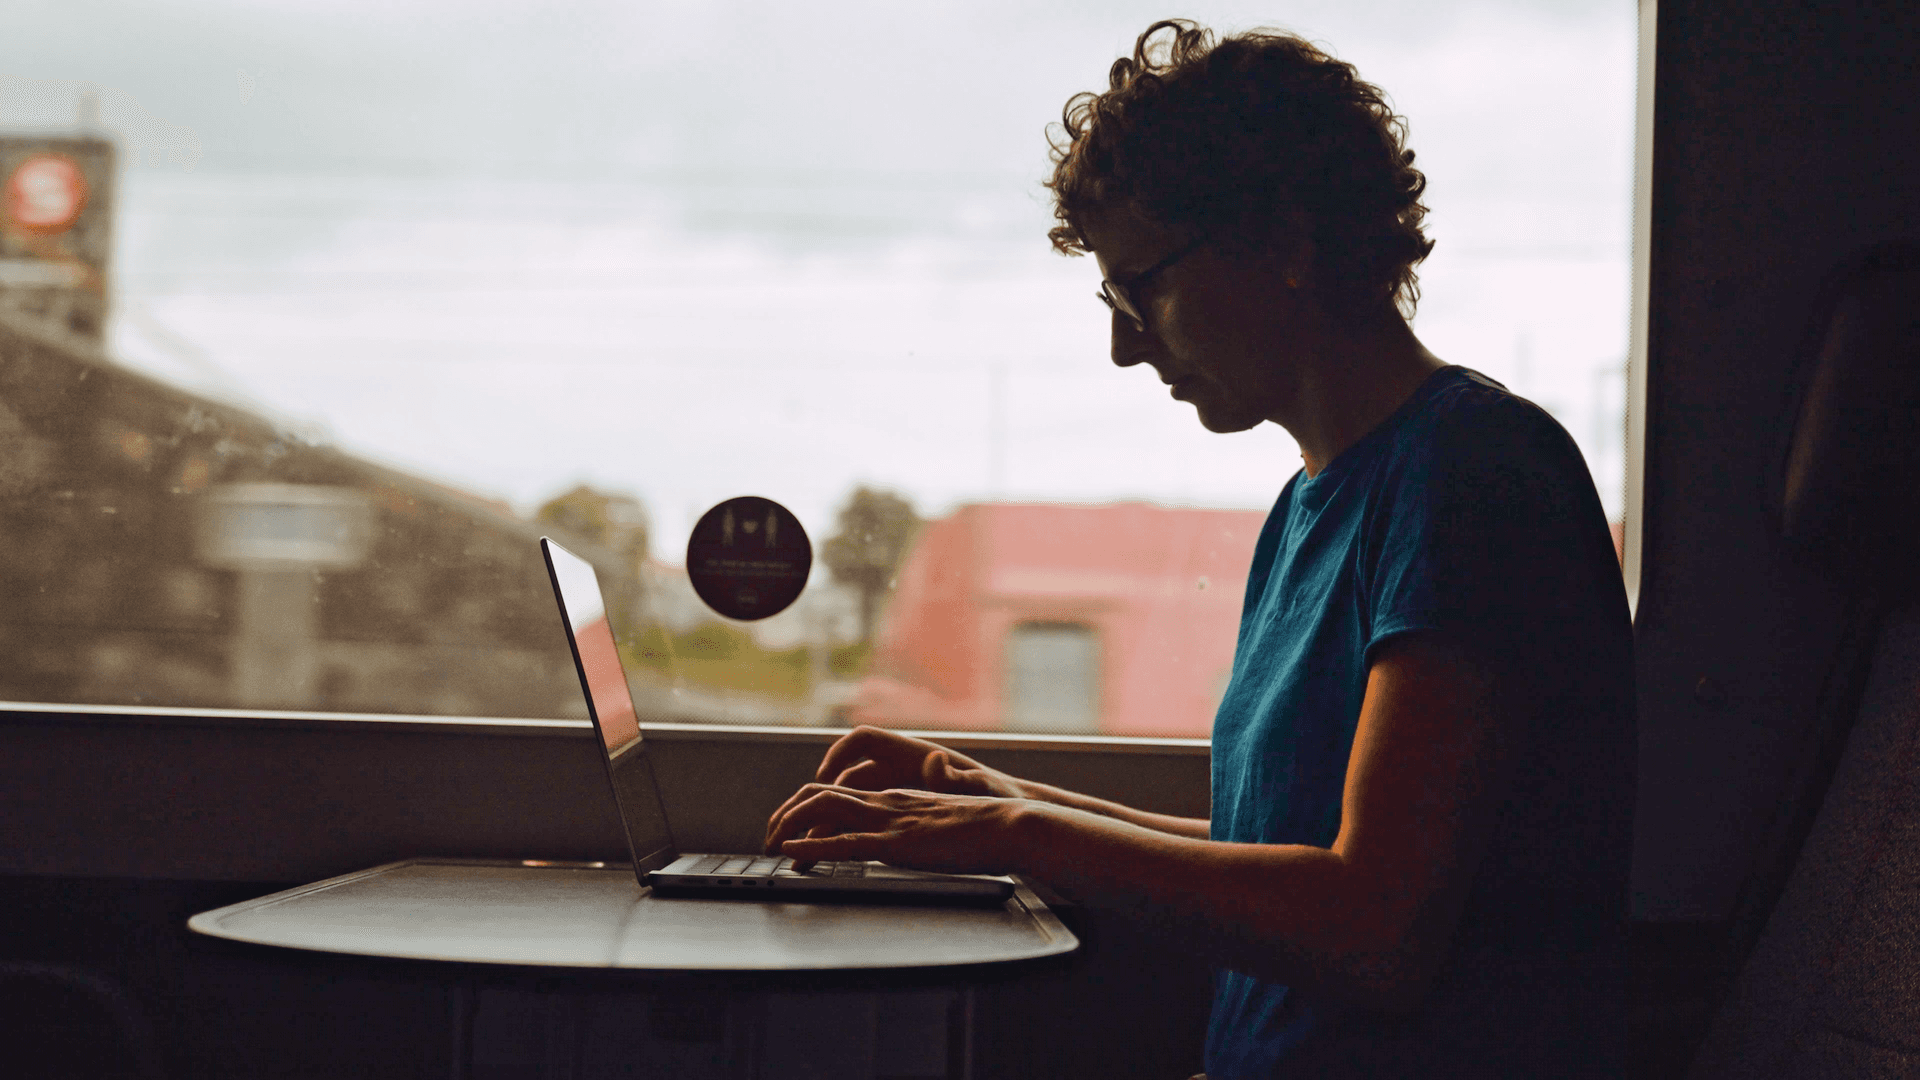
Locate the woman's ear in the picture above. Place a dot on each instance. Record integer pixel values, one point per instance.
(1284, 249)
(1292, 245)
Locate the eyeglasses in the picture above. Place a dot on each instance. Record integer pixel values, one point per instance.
(1120, 297)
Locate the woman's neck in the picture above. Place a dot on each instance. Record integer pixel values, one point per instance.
(1358, 381)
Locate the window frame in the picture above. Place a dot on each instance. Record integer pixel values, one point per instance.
(76, 800)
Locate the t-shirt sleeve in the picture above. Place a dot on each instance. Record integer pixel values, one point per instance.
(1485, 530)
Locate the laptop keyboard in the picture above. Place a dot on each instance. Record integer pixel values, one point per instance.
(768, 865)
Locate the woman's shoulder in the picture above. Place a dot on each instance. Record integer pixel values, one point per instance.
(1471, 421)
(1465, 399)
(1490, 470)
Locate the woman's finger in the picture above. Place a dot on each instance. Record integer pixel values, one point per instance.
(936, 771)
(807, 791)
(848, 750)
(830, 808)
(805, 851)
(794, 801)
(863, 743)
(862, 776)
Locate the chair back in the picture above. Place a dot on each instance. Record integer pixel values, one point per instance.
(1823, 947)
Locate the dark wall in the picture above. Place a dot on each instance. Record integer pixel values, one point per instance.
(1786, 138)
(233, 799)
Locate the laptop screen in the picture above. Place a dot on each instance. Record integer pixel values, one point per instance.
(596, 657)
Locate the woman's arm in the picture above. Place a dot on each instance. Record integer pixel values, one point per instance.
(875, 759)
(1191, 828)
(1366, 921)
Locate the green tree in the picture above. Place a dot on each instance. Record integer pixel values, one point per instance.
(614, 523)
(875, 530)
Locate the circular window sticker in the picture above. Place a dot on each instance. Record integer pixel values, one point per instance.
(748, 558)
(46, 193)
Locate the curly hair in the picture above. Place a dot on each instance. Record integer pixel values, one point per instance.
(1240, 141)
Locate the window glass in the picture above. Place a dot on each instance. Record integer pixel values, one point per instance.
(1052, 678)
(313, 317)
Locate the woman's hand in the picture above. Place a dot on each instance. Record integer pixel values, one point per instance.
(925, 830)
(875, 759)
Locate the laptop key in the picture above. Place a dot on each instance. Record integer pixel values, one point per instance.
(733, 866)
(707, 865)
(762, 867)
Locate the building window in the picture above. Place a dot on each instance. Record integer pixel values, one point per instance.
(1052, 678)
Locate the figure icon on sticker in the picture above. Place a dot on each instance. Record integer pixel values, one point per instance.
(741, 579)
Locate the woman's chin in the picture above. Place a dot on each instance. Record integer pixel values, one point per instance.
(1224, 422)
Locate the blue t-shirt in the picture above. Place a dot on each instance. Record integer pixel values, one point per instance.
(1469, 512)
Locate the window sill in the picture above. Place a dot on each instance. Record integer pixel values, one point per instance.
(664, 733)
(286, 797)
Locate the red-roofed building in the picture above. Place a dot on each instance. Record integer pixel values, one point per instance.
(1114, 619)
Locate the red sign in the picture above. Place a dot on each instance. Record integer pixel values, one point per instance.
(46, 193)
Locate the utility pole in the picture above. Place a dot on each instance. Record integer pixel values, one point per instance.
(997, 429)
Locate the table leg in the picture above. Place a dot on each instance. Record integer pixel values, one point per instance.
(963, 1050)
(460, 1007)
(564, 1033)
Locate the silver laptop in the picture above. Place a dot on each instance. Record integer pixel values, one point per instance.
(657, 862)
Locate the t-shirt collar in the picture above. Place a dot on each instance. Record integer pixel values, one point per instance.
(1364, 448)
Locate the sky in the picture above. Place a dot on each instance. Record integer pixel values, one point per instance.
(698, 249)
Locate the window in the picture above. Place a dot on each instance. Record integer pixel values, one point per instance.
(1052, 678)
(379, 293)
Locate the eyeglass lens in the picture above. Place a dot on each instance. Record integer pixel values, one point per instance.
(1115, 297)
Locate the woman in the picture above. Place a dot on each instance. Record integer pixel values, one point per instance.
(1422, 767)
